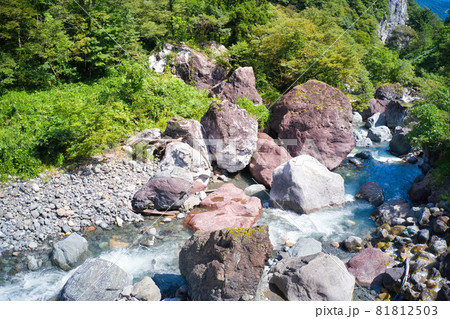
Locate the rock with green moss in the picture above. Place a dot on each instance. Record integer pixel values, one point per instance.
(319, 119)
(226, 264)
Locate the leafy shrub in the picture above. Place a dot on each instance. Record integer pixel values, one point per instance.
(259, 112)
(74, 121)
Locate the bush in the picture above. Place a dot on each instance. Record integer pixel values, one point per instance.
(74, 121)
(259, 112)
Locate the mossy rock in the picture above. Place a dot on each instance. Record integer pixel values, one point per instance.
(396, 230)
(418, 249)
(383, 246)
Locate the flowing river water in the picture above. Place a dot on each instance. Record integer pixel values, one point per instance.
(327, 226)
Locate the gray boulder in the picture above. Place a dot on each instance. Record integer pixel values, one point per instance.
(179, 154)
(371, 192)
(166, 190)
(241, 84)
(146, 290)
(398, 144)
(392, 278)
(190, 131)
(96, 280)
(379, 134)
(353, 244)
(144, 136)
(232, 135)
(444, 265)
(304, 185)
(317, 277)
(397, 208)
(396, 114)
(438, 247)
(70, 252)
(357, 118)
(361, 139)
(305, 247)
(377, 119)
(254, 189)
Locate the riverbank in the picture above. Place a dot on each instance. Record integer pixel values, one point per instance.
(92, 196)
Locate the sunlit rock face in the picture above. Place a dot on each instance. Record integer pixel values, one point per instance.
(398, 17)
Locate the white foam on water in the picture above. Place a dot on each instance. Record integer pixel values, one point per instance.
(327, 224)
(35, 285)
(140, 262)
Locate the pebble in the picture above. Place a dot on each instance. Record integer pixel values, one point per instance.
(99, 192)
(167, 219)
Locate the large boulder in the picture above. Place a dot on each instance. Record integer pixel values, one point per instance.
(96, 280)
(241, 84)
(444, 266)
(320, 118)
(225, 264)
(396, 114)
(304, 185)
(389, 92)
(228, 206)
(397, 208)
(316, 277)
(305, 247)
(145, 136)
(377, 119)
(398, 144)
(267, 157)
(70, 252)
(166, 190)
(420, 191)
(232, 135)
(375, 106)
(197, 69)
(190, 131)
(361, 138)
(146, 290)
(371, 192)
(368, 266)
(379, 134)
(179, 154)
(444, 293)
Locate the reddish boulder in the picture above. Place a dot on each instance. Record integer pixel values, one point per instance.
(375, 106)
(368, 266)
(320, 118)
(225, 264)
(241, 84)
(228, 206)
(267, 157)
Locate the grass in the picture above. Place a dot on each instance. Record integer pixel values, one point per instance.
(49, 128)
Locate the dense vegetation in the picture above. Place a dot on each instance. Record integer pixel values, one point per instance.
(73, 76)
